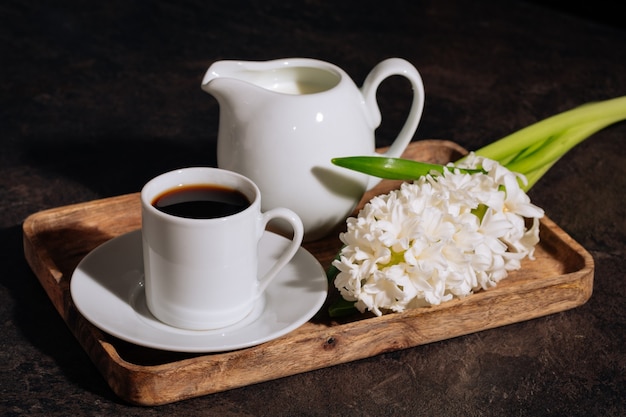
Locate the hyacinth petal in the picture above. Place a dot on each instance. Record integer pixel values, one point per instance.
(424, 244)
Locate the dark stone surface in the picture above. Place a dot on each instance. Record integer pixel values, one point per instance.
(97, 97)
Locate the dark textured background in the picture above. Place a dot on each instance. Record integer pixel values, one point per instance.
(97, 97)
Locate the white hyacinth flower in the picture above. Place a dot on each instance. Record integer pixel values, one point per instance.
(440, 237)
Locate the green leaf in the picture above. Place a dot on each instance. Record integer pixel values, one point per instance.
(342, 308)
(392, 168)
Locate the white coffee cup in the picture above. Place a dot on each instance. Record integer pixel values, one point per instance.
(201, 273)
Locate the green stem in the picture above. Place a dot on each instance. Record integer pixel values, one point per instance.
(528, 151)
(557, 146)
(613, 109)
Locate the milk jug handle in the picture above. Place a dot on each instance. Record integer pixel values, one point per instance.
(387, 68)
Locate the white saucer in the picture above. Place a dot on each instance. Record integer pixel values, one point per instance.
(107, 289)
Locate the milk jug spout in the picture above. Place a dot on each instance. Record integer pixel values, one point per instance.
(234, 88)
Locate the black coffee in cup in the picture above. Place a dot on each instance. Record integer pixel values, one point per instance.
(201, 201)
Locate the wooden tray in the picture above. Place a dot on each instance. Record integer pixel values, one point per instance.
(56, 240)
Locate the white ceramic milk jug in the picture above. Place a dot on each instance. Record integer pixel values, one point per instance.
(282, 121)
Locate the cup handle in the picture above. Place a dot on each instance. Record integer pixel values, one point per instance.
(298, 234)
(387, 68)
